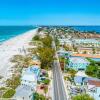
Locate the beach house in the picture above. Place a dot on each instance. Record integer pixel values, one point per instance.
(78, 63)
(28, 85)
(30, 76)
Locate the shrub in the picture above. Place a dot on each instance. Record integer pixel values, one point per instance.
(13, 83)
(36, 38)
(8, 93)
(46, 81)
(82, 97)
(38, 97)
(2, 88)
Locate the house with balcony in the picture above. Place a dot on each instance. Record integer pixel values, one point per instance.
(78, 63)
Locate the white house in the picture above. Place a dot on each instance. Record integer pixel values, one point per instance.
(28, 83)
(30, 77)
(94, 89)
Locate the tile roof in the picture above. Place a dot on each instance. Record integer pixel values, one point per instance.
(86, 55)
(94, 82)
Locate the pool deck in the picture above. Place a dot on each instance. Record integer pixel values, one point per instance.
(86, 55)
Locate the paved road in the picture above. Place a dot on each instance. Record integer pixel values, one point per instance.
(59, 90)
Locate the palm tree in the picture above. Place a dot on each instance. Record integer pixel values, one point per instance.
(72, 73)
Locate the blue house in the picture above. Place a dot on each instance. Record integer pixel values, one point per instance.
(78, 63)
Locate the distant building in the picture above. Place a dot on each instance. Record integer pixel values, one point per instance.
(84, 50)
(66, 42)
(86, 42)
(78, 63)
(64, 53)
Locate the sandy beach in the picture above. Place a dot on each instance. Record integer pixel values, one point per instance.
(12, 47)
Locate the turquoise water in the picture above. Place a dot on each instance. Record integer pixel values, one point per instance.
(7, 32)
(88, 28)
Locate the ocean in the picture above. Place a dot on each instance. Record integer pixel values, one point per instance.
(8, 32)
(88, 28)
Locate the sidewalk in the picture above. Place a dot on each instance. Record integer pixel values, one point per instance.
(50, 88)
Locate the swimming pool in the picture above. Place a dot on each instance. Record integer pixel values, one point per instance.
(96, 59)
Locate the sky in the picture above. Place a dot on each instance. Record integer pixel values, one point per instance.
(49, 12)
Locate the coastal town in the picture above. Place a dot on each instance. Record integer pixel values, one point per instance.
(51, 63)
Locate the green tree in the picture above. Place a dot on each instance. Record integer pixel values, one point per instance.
(93, 50)
(84, 52)
(82, 97)
(72, 73)
(46, 57)
(46, 81)
(36, 38)
(98, 73)
(47, 41)
(91, 70)
(38, 97)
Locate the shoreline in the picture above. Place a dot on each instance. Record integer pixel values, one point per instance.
(11, 47)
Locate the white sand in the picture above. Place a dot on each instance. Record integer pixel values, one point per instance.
(11, 47)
